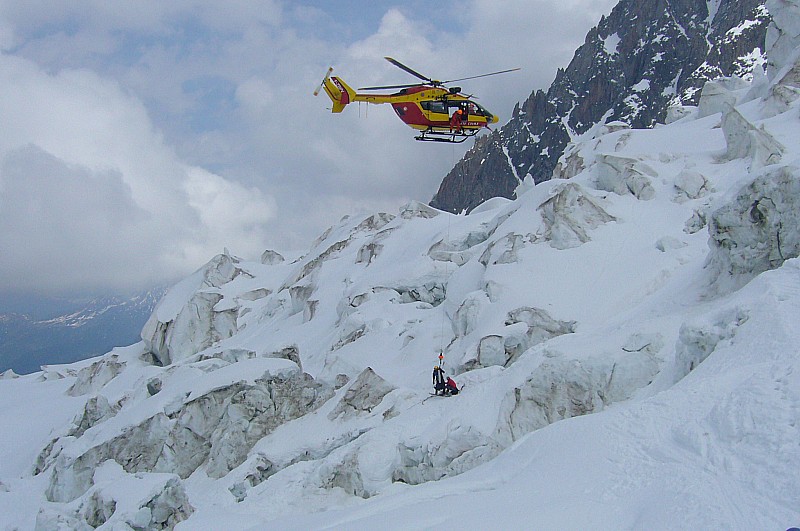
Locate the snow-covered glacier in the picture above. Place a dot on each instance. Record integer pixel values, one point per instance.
(625, 334)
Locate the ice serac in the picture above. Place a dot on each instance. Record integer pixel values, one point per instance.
(557, 390)
(698, 339)
(561, 386)
(690, 185)
(186, 320)
(539, 326)
(121, 501)
(524, 328)
(783, 36)
(96, 375)
(760, 229)
(570, 214)
(255, 411)
(96, 410)
(623, 175)
(215, 429)
(662, 55)
(717, 95)
(366, 392)
(747, 141)
(271, 257)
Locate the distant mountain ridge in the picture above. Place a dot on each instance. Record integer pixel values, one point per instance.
(642, 58)
(28, 339)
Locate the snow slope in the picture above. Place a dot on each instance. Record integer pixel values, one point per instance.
(626, 334)
(716, 451)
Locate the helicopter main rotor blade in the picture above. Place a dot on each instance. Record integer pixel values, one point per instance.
(482, 75)
(414, 73)
(392, 86)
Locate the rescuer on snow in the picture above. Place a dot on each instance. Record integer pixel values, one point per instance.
(439, 385)
(451, 387)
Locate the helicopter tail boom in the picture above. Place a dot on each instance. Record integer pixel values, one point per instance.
(338, 91)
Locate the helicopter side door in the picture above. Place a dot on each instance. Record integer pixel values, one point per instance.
(473, 115)
(436, 110)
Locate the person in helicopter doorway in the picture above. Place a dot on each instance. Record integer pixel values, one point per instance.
(439, 385)
(456, 121)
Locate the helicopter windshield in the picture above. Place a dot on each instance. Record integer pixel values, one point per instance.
(474, 108)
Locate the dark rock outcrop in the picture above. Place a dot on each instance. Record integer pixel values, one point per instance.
(641, 59)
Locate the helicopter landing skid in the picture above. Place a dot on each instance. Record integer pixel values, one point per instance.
(452, 137)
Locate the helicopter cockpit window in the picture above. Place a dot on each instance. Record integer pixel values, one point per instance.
(434, 106)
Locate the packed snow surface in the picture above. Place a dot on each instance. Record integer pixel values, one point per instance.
(625, 334)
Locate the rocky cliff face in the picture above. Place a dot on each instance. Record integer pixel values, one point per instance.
(641, 59)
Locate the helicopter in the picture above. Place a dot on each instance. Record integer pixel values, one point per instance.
(439, 113)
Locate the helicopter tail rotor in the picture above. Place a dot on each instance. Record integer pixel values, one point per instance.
(337, 90)
(327, 75)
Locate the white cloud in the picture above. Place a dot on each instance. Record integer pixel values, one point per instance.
(7, 38)
(66, 225)
(203, 111)
(226, 208)
(91, 196)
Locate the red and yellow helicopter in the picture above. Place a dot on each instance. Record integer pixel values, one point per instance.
(441, 114)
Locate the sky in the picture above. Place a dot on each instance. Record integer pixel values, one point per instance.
(139, 139)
